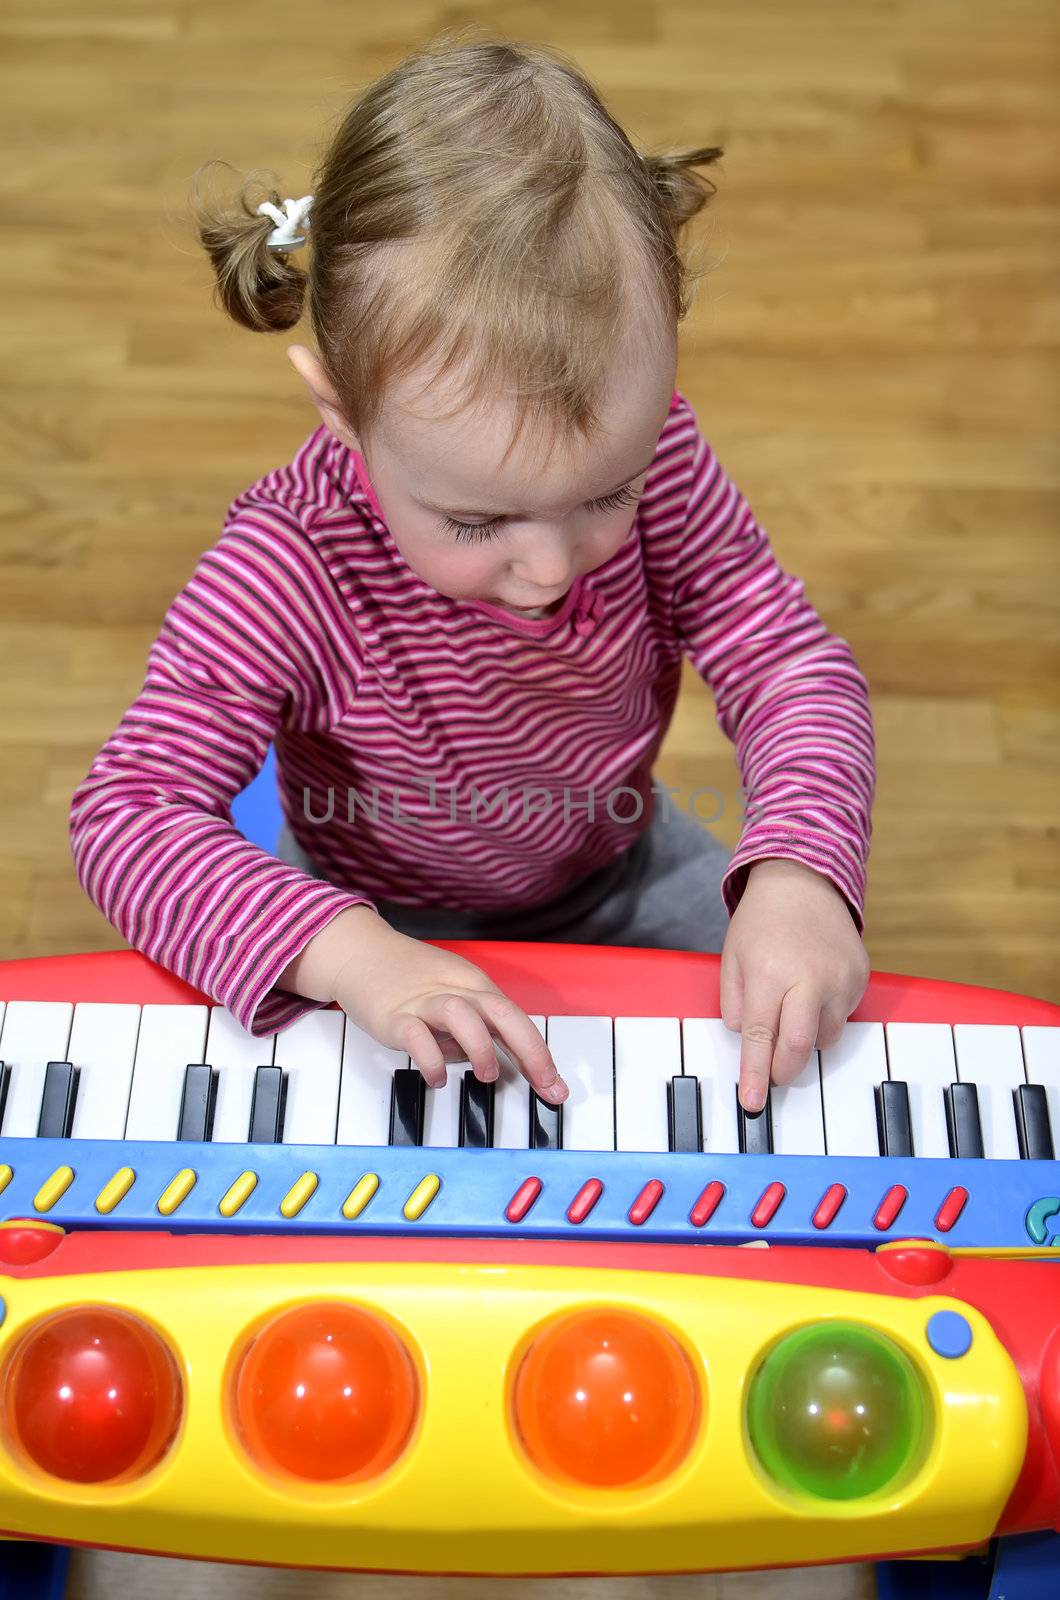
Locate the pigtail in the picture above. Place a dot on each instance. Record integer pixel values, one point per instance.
(683, 193)
(261, 289)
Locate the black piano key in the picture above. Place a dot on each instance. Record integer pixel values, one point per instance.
(546, 1124)
(197, 1102)
(684, 1114)
(268, 1105)
(58, 1100)
(894, 1125)
(755, 1128)
(963, 1128)
(1033, 1129)
(408, 1102)
(476, 1112)
(5, 1079)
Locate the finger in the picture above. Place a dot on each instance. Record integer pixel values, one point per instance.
(730, 989)
(451, 1049)
(456, 1015)
(758, 1034)
(525, 1045)
(414, 1037)
(800, 1019)
(830, 1028)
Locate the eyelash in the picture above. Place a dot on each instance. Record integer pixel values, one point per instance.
(474, 532)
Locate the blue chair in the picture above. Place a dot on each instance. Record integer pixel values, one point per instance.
(256, 812)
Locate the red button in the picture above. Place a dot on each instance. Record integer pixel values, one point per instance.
(584, 1200)
(707, 1204)
(646, 1201)
(523, 1199)
(913, 1261)
(828, 1209)
(950, 1209)
(23, 1243)
(890, 1205)
(766, 1209)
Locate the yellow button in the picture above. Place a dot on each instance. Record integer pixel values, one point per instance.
(6, 1174)
(359, 1195)
(238, 1194)
(298, 1194)
(421, 1196)
(115, 1190)
(53, 1188)
(177, 1191)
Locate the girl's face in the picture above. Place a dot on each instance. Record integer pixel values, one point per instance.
(516, 535)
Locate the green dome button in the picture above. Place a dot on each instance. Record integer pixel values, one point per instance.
(838, 1411)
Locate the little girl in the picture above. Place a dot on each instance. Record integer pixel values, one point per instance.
(460, 612)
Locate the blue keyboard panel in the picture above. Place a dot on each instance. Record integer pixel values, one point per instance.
(1014, 1204)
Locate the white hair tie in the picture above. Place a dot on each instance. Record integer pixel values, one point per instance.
(293, 217)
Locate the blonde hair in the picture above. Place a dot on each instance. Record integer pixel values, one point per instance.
(480, 208)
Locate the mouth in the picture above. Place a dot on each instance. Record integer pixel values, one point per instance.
(538, 605)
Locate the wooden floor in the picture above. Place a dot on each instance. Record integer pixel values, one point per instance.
(873, 357)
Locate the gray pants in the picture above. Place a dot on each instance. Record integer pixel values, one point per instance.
(663, 893)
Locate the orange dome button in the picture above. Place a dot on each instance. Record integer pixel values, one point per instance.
(325, 1392)
(606, 1398)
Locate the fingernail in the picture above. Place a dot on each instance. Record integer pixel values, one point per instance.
(489, 1074)
(557, 1090)
(754, 1099)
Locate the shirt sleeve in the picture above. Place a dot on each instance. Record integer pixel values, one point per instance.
(151, 829)
(788, 693)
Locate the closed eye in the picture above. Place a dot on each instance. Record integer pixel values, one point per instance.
(474, 532)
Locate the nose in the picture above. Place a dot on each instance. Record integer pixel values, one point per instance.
(544, 560)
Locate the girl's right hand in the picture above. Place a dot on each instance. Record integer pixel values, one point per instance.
(438, 1008)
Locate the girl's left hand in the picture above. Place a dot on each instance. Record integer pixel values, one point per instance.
(793, 968)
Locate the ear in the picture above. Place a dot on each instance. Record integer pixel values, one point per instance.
(322, 394)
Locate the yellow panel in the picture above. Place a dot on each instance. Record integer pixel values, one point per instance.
(463, 1497)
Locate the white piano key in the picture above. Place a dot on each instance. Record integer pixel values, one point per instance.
(1041, 1053)
(35, 1032)
(583, 1050)
(798, 1118)
(103, 1048)
(364, 1092)
(850, 1070)
(441, 1111)
(310, 1053)
(989, 1055)
(236, 1055)
(511, 1100)
(171, 1037)
(920, 1054)
(647, 1056)
(712, 1054)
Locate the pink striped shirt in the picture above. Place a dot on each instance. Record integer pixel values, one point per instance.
(473, 758)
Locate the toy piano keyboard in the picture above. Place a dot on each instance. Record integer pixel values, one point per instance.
(517, 1354)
